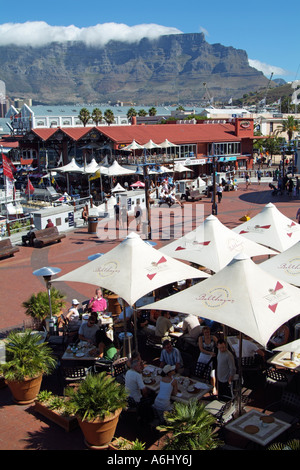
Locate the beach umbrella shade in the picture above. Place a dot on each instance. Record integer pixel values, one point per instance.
(213, 245)
(137, 184)
(271, 228)
(285, 265)
(132, 269)
(242, 296)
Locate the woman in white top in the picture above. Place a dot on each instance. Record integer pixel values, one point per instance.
(168, 386)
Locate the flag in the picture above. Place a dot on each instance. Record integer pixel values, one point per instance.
(29, 188)
(7, 169)
(230, 101)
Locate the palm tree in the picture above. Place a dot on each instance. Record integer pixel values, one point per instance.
(142, 112)
(131, 112)
(84, 116)
(289, 125)
(97, 116)
(109, 116)
(152, 111)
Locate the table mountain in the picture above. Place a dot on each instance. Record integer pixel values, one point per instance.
(164, 70)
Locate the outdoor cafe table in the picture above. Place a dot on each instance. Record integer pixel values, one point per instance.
(84, 351)
(152, 378)
(251, 426)
(284, 359)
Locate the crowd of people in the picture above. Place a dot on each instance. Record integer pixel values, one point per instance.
(201, 346)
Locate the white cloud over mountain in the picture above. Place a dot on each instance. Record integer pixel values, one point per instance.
(39, 33)
(267, 69)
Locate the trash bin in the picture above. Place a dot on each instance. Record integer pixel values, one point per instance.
(92, 223)
(127, 343)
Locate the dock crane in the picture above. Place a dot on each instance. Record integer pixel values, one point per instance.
(263, 102)
(210, 98)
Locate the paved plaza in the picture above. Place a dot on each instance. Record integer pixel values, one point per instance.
(20, 428)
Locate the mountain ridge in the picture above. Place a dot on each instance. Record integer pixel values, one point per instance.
(167, 69)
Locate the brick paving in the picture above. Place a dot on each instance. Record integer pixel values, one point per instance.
(20, 427)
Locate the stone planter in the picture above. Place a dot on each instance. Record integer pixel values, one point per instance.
(68, 423)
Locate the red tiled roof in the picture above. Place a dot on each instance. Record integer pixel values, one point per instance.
(44, 133)
(176, 133)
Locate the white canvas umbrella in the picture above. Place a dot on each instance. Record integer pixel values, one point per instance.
(285, 265)
(242, 296)
(71, 167)
(180, 168)
(213, 245)
(292, 347)
(132, 269)
(133, 146)
(150, 145)
(116, 170)
(166, 144)
(271, 228)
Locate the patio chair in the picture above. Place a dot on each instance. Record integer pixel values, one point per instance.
(119, 369)
(287, 408)
(202, 372)
(73, 375)
(223, 411)
(278, 379)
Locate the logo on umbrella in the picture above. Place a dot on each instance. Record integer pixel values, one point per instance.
(156, 266)
(291, 267)
(108, 269)
(275, 296)
(216, 298)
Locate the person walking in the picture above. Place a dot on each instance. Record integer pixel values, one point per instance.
(225, 371)
(219, 192)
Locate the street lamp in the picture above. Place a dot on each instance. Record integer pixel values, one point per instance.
(47, 273)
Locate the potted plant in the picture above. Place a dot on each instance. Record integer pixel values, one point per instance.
(37, 306)
(56, 409)
(189, 427)
(97, 403)
(27, 360)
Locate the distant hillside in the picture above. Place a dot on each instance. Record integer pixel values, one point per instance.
(166, 70)
(273, 94)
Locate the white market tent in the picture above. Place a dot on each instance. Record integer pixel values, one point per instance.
(270, 228)
(213, 245)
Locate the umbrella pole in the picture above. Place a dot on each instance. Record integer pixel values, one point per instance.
(135, 328)
(240, 374)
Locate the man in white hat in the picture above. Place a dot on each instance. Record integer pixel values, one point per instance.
(72, 317)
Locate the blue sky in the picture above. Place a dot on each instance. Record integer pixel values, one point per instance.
(267, 32)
